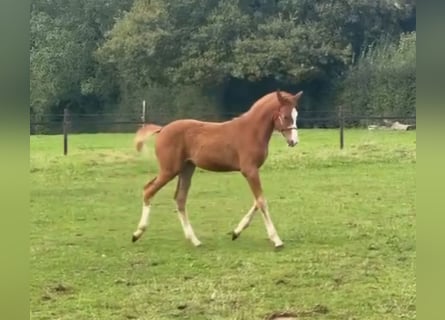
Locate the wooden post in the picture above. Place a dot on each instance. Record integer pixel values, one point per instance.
(65, 131)
(143, 116)
(342, 127)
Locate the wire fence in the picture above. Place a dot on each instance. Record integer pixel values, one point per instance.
(72, 123)
(123, 123)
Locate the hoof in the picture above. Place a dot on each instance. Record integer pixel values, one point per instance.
(234, 235)
(134, 238)
(279, 246)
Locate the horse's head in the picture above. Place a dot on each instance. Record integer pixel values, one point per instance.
(286, 117)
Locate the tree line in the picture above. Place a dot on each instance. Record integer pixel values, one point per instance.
(195, 58)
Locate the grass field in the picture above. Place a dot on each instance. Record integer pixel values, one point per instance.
(347, 219)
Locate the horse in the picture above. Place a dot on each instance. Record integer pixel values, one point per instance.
(240, 144)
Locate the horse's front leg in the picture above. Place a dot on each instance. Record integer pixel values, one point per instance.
(252, 176)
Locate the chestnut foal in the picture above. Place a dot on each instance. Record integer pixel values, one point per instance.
(240, 144)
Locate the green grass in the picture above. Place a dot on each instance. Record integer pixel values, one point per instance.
(347, 219)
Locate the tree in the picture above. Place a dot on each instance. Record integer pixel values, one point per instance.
(95, 54)
(63, 37)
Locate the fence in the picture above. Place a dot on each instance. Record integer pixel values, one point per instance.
(67, 123)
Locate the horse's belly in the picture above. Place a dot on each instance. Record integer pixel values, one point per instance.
(216, 166)
(215, 159)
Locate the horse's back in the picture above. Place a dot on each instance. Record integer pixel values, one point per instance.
(192, 128)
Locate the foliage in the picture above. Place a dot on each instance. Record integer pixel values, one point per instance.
(384, 79)
(94, 55)
(204, 42)
(63, 38)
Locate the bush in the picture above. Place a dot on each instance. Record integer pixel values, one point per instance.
(383, 81)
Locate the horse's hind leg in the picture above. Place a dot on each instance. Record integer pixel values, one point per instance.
(184, 182)
(150, 190)
(245, 221)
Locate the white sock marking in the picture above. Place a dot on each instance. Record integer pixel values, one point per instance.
(188, 230)
(143, 222)
(245, 221)
(271, 231)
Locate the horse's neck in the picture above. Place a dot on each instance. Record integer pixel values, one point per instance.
(259, 126)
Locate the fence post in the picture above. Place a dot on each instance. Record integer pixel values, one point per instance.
(143, 116)
(342, 125)
(65, 131)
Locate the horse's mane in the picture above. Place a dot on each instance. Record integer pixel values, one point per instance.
(267, 99)
(264, 100)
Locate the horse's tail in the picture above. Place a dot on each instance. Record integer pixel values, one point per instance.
(144, 133)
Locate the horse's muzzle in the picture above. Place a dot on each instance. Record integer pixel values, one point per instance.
(292, 143)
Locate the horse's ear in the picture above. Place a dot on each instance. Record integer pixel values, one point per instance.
(280, 97)
(298, 95)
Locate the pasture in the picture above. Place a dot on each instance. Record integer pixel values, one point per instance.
(346, 217)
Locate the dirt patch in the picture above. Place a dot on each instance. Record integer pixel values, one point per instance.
(46, 297)
(182, 306)
(282, 316)
(61, 289)
(128, 283)
(35, 169)
(294, 315)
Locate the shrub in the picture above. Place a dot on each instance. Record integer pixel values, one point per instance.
(383, 80)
